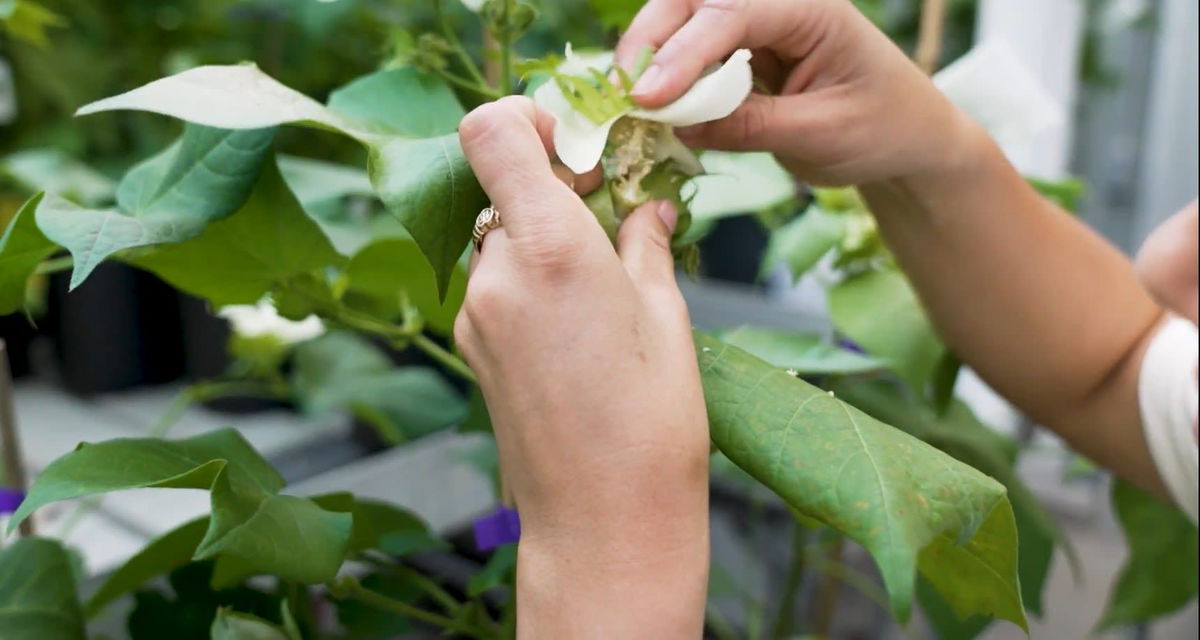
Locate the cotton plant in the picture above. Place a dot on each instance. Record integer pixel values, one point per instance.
(597, 123)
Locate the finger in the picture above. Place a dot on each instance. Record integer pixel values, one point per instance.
(495, 245)
(762, 123)
(644, 243)
(505, 143)
(718, 27)
(653, 25)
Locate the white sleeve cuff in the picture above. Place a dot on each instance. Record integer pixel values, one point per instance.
(1167, 394)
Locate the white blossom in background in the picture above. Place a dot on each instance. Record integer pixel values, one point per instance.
(474, 5)
(255, 320)
(580, 141)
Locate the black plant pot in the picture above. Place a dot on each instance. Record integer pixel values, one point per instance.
(17, 333)
(733, 251)
(119, 329)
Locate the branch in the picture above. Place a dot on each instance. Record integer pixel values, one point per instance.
(14, 465)
(931, 35)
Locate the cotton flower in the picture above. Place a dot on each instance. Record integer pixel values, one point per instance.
(579, 140)
(254, 320)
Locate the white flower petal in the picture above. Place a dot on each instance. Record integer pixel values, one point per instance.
(580, 64)
(474, 5)
(253, 320)
(713, 97)
(578, 141)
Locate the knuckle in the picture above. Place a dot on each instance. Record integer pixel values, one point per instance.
(483, 122)
(733, 7)
(486, 300)
(755, 120)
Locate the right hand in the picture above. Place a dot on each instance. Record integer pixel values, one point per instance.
(848, 107)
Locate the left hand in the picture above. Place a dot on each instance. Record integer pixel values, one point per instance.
(586, 360)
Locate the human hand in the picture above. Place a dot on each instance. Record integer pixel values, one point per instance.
(586, 361)
(846, 105)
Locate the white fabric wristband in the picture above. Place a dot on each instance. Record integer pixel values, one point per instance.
(1167, 393)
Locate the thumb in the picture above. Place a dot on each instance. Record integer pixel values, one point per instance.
(644, 243)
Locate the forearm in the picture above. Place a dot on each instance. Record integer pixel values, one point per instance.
(1043, 308)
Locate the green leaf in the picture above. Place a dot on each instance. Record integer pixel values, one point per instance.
(802, 242)
(500, 569)
(206, 176)
(37, 592)
(738, 183)
(943, 619)
(54, 171)
(163, 555)
(881, 487)
(426, 183)
(283, 535)
(342, 371)
(187, 609)
(22, 249)
(372, 520)
(316, 182)
(980, 575)
(959, 433)
(383, 274)
(616, 14)
(805, 353)
(402, 101)
(1159, 577)
(236, 260)
(429, 186)
(231, 625)
(28, 20)
(879, 311)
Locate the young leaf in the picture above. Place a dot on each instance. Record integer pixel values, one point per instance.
(381, 275)
(804, 353)
(241, 257)
(163, 555)
(28, 20)
(37, 592)
(886, 490)
(879, 311)
(426, 183)
(1160, 575)
(343, 371)
(402, 101)
(22, 249)
(288, 536)
(206, 176)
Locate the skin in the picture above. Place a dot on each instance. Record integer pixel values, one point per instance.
(606, 451)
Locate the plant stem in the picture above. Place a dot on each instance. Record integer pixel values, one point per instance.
(459, 50)
(827, 594)
(348, 587)
(481, 89)
(14, 464)
(445, 358)
(930, 36)
(719, 625)
(431, 588)
(785, 619)
(55, 265)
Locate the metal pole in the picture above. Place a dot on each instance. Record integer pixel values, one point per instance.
(10, 446)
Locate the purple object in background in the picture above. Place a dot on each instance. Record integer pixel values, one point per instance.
(850, 345)
(10, 500)
(503, 526)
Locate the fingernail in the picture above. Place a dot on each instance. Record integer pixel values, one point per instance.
(668, 214)
(648, 82)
